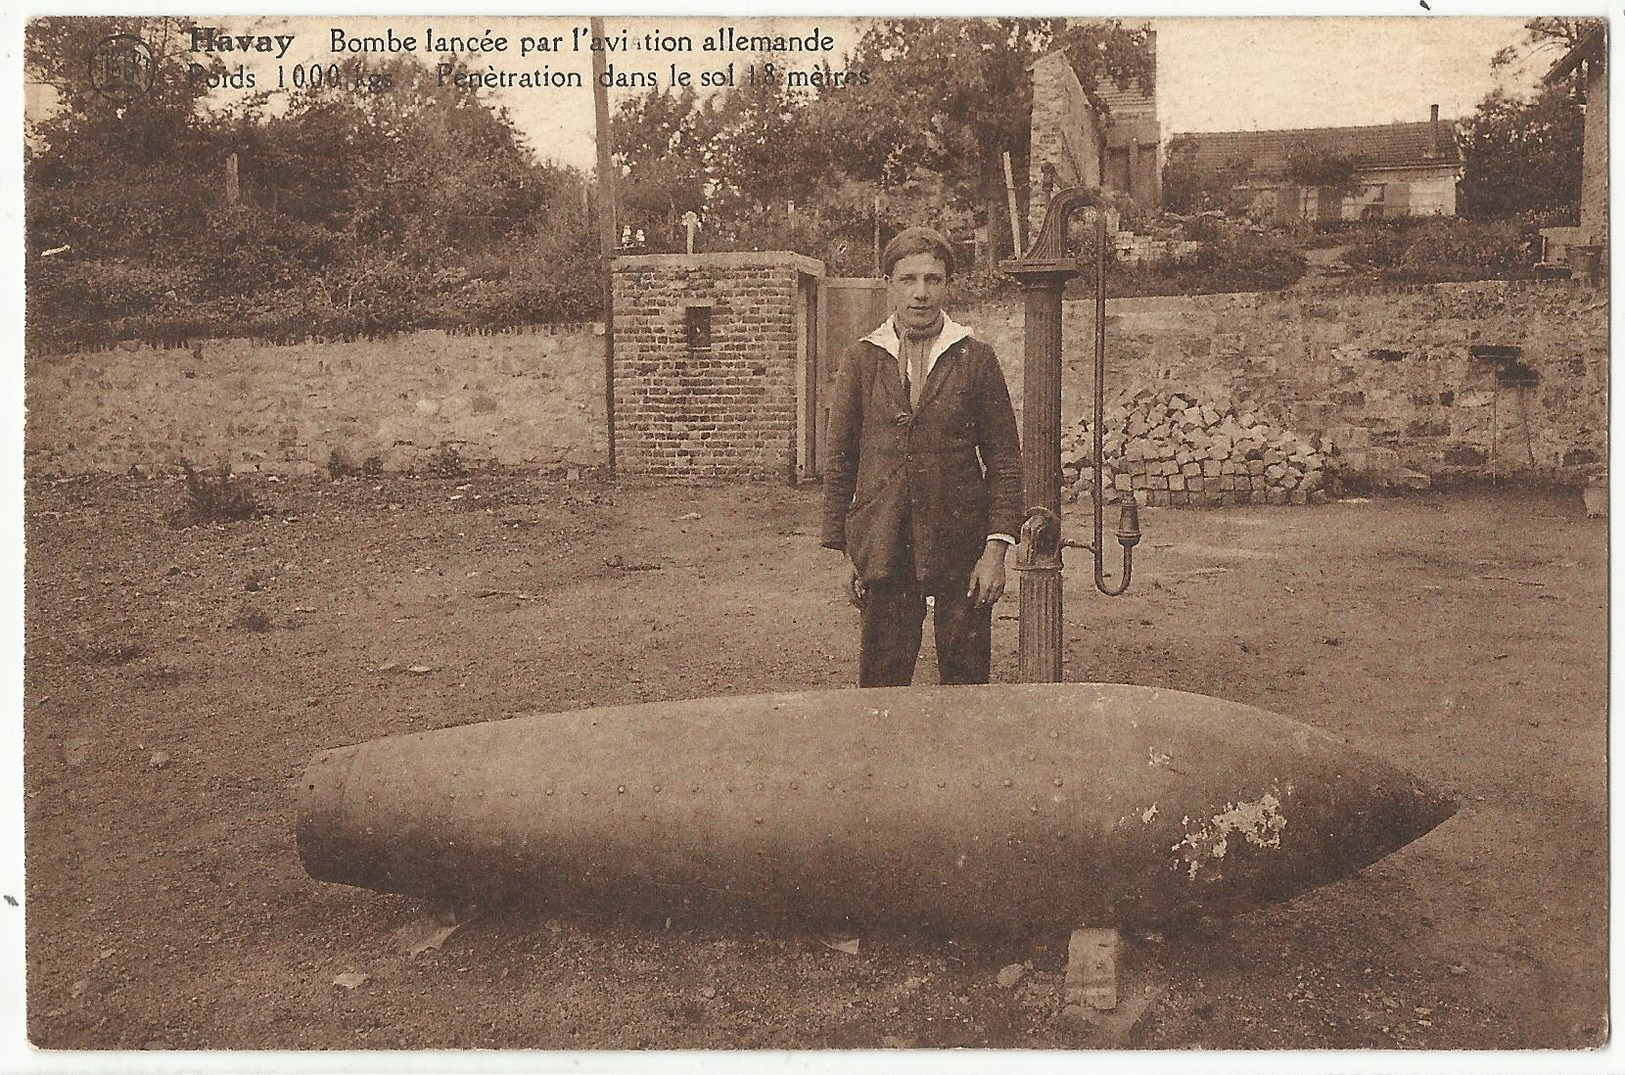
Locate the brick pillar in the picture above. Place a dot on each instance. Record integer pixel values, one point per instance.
(706, 361)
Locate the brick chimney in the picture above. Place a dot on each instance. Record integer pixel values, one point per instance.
(1433, 131)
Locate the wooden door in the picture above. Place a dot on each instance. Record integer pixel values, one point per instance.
(1329, 204)
(804, 467)
(1396, 199)
(849, 308)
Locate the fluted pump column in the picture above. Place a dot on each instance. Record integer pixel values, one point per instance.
(1039, 558)
(1043, 274)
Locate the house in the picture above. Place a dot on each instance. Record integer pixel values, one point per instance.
(1334, 173)
(1133, 139)
(1103, 137)
(1590, 52)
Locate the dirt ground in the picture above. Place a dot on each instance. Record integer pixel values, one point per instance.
(177, 681)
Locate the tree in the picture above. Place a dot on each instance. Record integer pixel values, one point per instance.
(87, 132)
(765, 148)
(1546, 35)
(952, 96)
(743, 152)
(1190, 186)
(660, 143)
(367, 206)
(1523, 155)
(944, 101)
(1336, 174)
(114, 178)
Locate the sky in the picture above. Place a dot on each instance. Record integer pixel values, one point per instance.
(1273, 74)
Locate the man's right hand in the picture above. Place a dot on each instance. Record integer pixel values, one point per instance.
(857, 591)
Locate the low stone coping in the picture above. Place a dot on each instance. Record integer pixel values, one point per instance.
(730, 259)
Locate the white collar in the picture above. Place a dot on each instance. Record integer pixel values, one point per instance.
(885, 337)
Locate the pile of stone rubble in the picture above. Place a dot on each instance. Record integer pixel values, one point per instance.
(1172, 449)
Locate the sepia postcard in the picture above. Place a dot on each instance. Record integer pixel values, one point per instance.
(814, 542)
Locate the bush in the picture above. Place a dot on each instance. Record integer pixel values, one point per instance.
(1445, 249)
(1232, 258)
(62, 291)
(247, 250)
(981, 284)
(253, 619)
(1237, 260)
(339, 465)
(446, 462)
(217, 499)
(245, 270)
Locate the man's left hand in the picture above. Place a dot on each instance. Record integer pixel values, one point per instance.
(987, 579)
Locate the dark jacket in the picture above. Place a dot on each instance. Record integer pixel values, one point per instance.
(942, 477)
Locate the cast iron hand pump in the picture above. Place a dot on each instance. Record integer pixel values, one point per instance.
(1043, 273)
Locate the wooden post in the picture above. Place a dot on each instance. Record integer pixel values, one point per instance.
(606, 231)
(877, 233)
(1017, 246)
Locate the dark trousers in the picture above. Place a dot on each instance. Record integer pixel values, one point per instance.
(893, 624)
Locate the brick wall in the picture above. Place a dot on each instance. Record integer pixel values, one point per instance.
(1380, 378)
(725, 407)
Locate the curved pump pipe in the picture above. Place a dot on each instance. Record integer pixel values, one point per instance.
(1043, 273)
(1128, 522)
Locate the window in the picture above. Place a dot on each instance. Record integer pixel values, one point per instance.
(697, 327)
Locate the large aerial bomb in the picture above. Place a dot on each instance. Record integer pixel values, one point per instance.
(1024, 807)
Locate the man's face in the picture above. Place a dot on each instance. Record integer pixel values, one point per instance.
(915, 289)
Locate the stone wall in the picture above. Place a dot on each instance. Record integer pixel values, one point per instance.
(1444, 380)
(1594, 167)
(706, 363)
(1132, 249)
(1423, 379)
(531, 399)
(1064, 145)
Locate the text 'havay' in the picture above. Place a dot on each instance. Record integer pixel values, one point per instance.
(211, 39)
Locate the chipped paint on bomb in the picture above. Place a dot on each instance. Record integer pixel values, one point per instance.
(1018, 806)
(1206, 843)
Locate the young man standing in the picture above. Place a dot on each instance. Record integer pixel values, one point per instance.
(922, 481)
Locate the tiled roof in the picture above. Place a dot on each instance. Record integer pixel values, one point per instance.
(1390, 145)
(1125, 102)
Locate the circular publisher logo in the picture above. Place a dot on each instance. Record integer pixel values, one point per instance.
(122, 68)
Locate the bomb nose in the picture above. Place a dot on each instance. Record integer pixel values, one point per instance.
(1410, 812)
(1434, 808)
